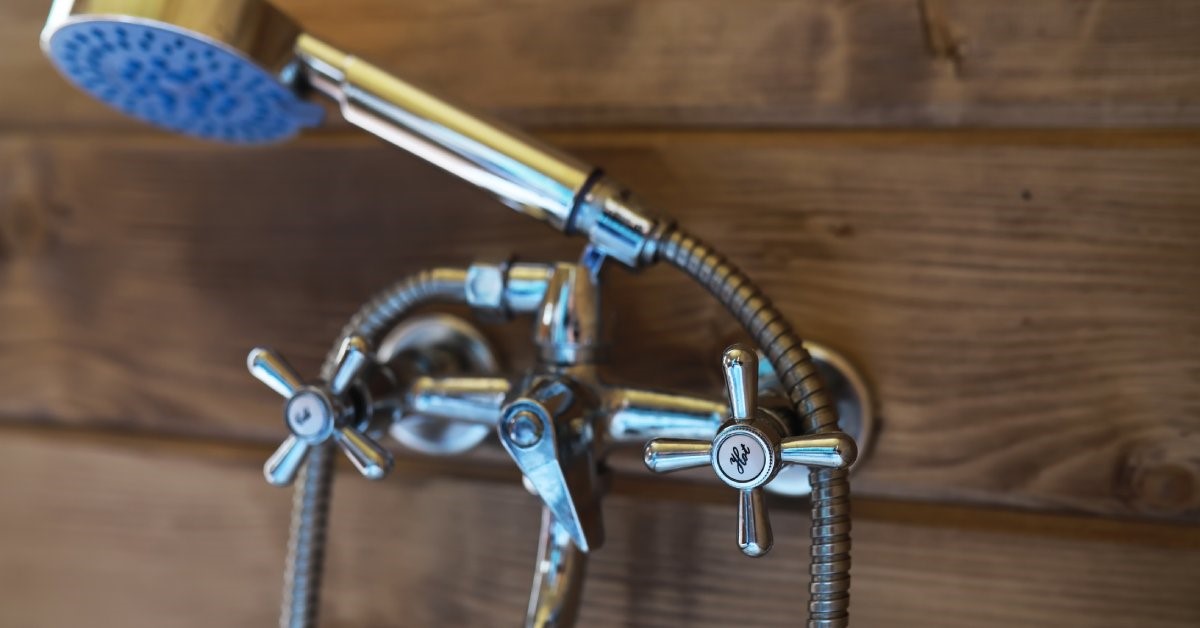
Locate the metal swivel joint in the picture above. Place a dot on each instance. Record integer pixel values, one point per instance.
(315, 413)
(749, 450)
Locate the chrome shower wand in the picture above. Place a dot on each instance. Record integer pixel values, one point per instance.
(240, 71)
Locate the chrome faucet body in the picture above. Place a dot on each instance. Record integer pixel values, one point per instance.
(559, 421)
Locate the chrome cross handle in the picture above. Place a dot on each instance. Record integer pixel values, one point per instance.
(749, 450)
(315, 413)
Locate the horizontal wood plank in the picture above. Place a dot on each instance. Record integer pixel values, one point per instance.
(1027, 314)
(130, 532)
(752, 63)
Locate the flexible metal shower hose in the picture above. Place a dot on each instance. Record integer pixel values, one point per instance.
(306, 543)
(310, 504)
(830, 568)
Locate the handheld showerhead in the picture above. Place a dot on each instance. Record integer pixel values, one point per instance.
(189, 75)
(239, 71)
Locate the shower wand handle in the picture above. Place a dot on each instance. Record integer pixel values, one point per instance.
(531, 178)
(522, 172)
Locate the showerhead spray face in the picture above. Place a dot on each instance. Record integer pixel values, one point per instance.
(197, 74)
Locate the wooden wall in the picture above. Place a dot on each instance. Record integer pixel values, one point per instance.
(992, 207)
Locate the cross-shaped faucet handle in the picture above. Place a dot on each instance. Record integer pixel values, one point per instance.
(749, 450)
(315, 413)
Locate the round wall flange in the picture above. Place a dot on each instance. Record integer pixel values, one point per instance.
(439, 336)
(855, 408)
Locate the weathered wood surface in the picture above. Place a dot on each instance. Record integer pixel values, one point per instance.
(1027, 312)
(130, 532)
(777, 63)
(1026, 304)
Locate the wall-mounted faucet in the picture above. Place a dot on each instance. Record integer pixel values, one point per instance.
(558, 421)
(240, 71)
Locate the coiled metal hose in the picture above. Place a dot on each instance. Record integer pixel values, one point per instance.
(306, 544)
(829, 589)
(310, 504)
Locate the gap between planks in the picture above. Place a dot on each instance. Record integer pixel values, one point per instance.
(919, 514)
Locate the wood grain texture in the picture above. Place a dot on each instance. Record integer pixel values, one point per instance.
(778, 63)
(131, 532)
(1026, 313)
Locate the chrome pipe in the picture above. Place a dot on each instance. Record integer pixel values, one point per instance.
(636, 416)
(567, 329)
(557, 580)
(470, 399)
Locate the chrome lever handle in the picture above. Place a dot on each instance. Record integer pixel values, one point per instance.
(740, 367)
(754, 526)
(749, 450)
(271, 369)
(664, 455)
(368, 456)
(283, 465)
(353, 356)
(316, 413)
(835, 451)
